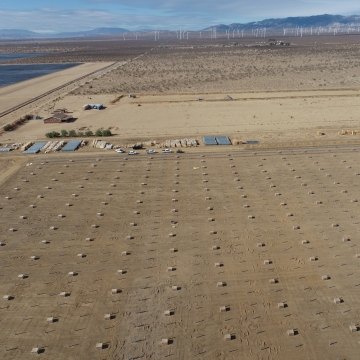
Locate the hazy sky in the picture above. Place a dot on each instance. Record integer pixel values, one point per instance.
(69, 15)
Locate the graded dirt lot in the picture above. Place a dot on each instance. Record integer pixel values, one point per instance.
(273, 118)
(244, 252)
(191, 221)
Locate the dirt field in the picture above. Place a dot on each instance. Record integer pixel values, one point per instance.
(21, 92)
(272, 118)
(244, 68)
(192, 248)
(215, 224)
(313, 85)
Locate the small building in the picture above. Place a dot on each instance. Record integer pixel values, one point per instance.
(93, 106)
(58, 118)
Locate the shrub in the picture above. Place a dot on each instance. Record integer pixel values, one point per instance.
(98, 132)
(8, 127)
(106, 132)
(52, 134)
(73, 133)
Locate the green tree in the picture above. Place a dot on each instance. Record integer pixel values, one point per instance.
(98, 132)
(72, 133)
(106, 132)
(89, 133)
(64, 133)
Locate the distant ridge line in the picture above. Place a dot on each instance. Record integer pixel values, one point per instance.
(273, 24)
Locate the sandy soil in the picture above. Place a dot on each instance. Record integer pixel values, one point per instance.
(9, 167)
(312, 86)
(13, 95)
(272, 118)
(215, 69)
(250, 220)
(249, 185)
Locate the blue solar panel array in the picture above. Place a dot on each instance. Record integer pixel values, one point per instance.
(223, 140)
(209, 140)
(71, 145)
(34, 149)
(216, 140)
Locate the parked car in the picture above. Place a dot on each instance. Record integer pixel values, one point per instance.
(151, 151)
(167, 151)
(120, 151)
(132, 152)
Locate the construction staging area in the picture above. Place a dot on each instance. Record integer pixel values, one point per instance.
(225, 254)
(232, 232)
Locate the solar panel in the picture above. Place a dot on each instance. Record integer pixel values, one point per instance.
(72, 145)
(223, 140)
(34, 149)
(209, 140)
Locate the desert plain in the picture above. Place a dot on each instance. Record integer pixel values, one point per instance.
(220, 252)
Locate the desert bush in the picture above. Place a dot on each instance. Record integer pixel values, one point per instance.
(8, 127)
(106, 132)
(52, 134)
(74, 133)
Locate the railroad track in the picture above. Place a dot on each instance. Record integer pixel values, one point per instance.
(39, 97)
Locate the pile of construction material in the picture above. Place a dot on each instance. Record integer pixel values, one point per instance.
(180, 143)
(53, 146)
(102, 144)
(9, 147)
(348, 132)
(27, 146)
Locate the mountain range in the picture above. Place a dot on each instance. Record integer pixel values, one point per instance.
(16, 34)
(293, 22)
(271, 24)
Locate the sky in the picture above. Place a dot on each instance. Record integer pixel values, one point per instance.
(74, 15)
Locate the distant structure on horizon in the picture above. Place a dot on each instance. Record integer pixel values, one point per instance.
(287, 27)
